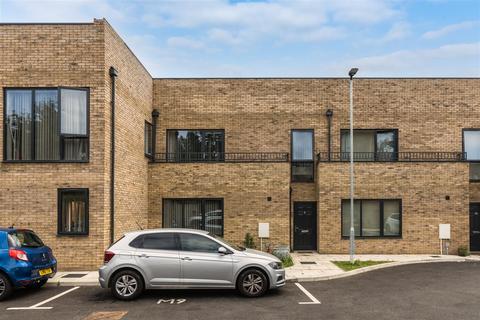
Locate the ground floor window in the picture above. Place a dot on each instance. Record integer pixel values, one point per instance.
(203, 214)
(73, 211)
(373, 218)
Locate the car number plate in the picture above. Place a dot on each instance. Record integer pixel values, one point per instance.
(44, 272)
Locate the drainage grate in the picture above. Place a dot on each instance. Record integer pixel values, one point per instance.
(74, 275)
(308, 262)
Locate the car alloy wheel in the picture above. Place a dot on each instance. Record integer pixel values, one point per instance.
(253, 284)
(2, 286)
(126, 285)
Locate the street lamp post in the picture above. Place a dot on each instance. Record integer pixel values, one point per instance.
(351, 73)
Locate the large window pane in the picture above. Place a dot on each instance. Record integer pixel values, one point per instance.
(75, 149)
(18, 123)
(302, 171)
(73, 215)
(472, 144)
(74, 112)
(386, 146)
(363, 145)
(203, 214)
(475, 171)
(370, 218)
(346, 218)
(302, 145)
(148, 147)
(391, 218)
(47, 138)
(195, 145)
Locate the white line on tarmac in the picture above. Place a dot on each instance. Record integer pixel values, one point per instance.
(38, 305)
(308, 294)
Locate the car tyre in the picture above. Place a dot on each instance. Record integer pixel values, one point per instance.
(6, 288)
(252, 283)
(127, 285)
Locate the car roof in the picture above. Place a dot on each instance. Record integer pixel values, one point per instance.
(175, 230)
(9, 229)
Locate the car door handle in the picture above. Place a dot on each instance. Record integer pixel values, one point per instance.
(143, 255)
(187, 259)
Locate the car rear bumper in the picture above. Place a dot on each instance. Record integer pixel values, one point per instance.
(26, 274)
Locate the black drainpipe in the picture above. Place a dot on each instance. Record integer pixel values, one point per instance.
(113, 74)
(329, 115)
(290, 220)
(155, 115)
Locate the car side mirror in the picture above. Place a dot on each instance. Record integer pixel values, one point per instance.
(222, 250)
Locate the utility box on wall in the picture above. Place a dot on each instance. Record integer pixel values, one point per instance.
(444, 231)
(264, 230)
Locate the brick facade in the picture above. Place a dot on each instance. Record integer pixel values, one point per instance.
(257, 115)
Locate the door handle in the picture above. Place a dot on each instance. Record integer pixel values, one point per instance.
(143, 255)
(187, 259)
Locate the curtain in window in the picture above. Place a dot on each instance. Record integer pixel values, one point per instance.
(370, 218)
(18, 124)
(75, 149)
(363, 145)
(391, 218)
(214, 217)
(73, 212)
(472, 144)
(74, 112)
(346, 218)
(148, 139)
(47, 139)
(302, 145)
(173, 214)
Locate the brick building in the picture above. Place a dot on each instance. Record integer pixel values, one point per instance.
(226, 154)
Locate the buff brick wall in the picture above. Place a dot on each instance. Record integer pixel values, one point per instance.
(243, 187)
(422, 187)
(52, 56)
(133, 106)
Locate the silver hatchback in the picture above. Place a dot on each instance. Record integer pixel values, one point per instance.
(185, 258)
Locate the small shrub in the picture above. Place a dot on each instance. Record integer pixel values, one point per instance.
(283, 253)
(287, 261)
(249, 242)
(463, 251)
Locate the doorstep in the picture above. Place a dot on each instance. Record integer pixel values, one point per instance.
(75, 278)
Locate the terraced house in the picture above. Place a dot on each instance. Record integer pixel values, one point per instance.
(93, 147)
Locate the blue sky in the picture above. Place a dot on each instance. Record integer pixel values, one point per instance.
(282, 38)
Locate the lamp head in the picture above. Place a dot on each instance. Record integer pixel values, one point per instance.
(352, 72)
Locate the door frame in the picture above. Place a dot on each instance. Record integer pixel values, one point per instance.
(470, 224)
(315, 215)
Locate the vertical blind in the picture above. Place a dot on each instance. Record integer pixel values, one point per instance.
(73, 212)
(302, 145)
(38, 127)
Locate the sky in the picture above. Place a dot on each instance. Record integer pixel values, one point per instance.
(282, 38)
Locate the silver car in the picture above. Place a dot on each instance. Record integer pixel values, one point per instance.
(186, 258)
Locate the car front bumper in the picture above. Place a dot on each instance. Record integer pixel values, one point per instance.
(277, 278)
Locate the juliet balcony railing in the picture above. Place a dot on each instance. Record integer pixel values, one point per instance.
(392, 156)
(212, 157)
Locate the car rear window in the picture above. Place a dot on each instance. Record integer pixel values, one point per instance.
(24, 239)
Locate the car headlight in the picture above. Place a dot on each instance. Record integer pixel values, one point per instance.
(275, 265)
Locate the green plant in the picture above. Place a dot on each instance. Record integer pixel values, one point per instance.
(347, 266)
(287, 261)
(283, 253)
(249, 242)
(463, 251)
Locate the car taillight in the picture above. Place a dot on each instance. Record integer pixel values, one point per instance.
(108, 256)
(17, 254)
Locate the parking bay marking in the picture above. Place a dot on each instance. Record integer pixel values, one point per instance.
(308, 294)
(172, 301)
(38, 305)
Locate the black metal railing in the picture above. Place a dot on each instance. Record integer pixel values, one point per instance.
(222, 157)
(392, 156)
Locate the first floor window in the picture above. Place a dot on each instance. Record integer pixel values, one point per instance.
(373, 218)
(148, 139)
(370, 145)
(475, 171)
(203, 214)
(73, 211)
(195, 145)
(471, 146)
(302, 165)
(46, 124)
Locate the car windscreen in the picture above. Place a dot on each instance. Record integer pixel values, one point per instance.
(24, 239)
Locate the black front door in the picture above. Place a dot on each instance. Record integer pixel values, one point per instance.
(304, 226)
(475, 226)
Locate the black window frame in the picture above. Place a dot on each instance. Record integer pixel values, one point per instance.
(62, 137)
(394, 157)
(176, 157)
(203, 200)
(310, 162)
(86, 195)
(148, 144)
(463, 151)
(382, 231)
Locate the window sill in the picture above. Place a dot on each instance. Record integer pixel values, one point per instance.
(75, 234)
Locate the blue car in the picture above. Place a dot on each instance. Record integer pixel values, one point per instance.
(24, 261)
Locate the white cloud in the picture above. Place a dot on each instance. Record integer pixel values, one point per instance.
(398, 31)
(460, 59)
(183, 42)
(449, 29)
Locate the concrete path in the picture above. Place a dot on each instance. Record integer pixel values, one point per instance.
(307, 267)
